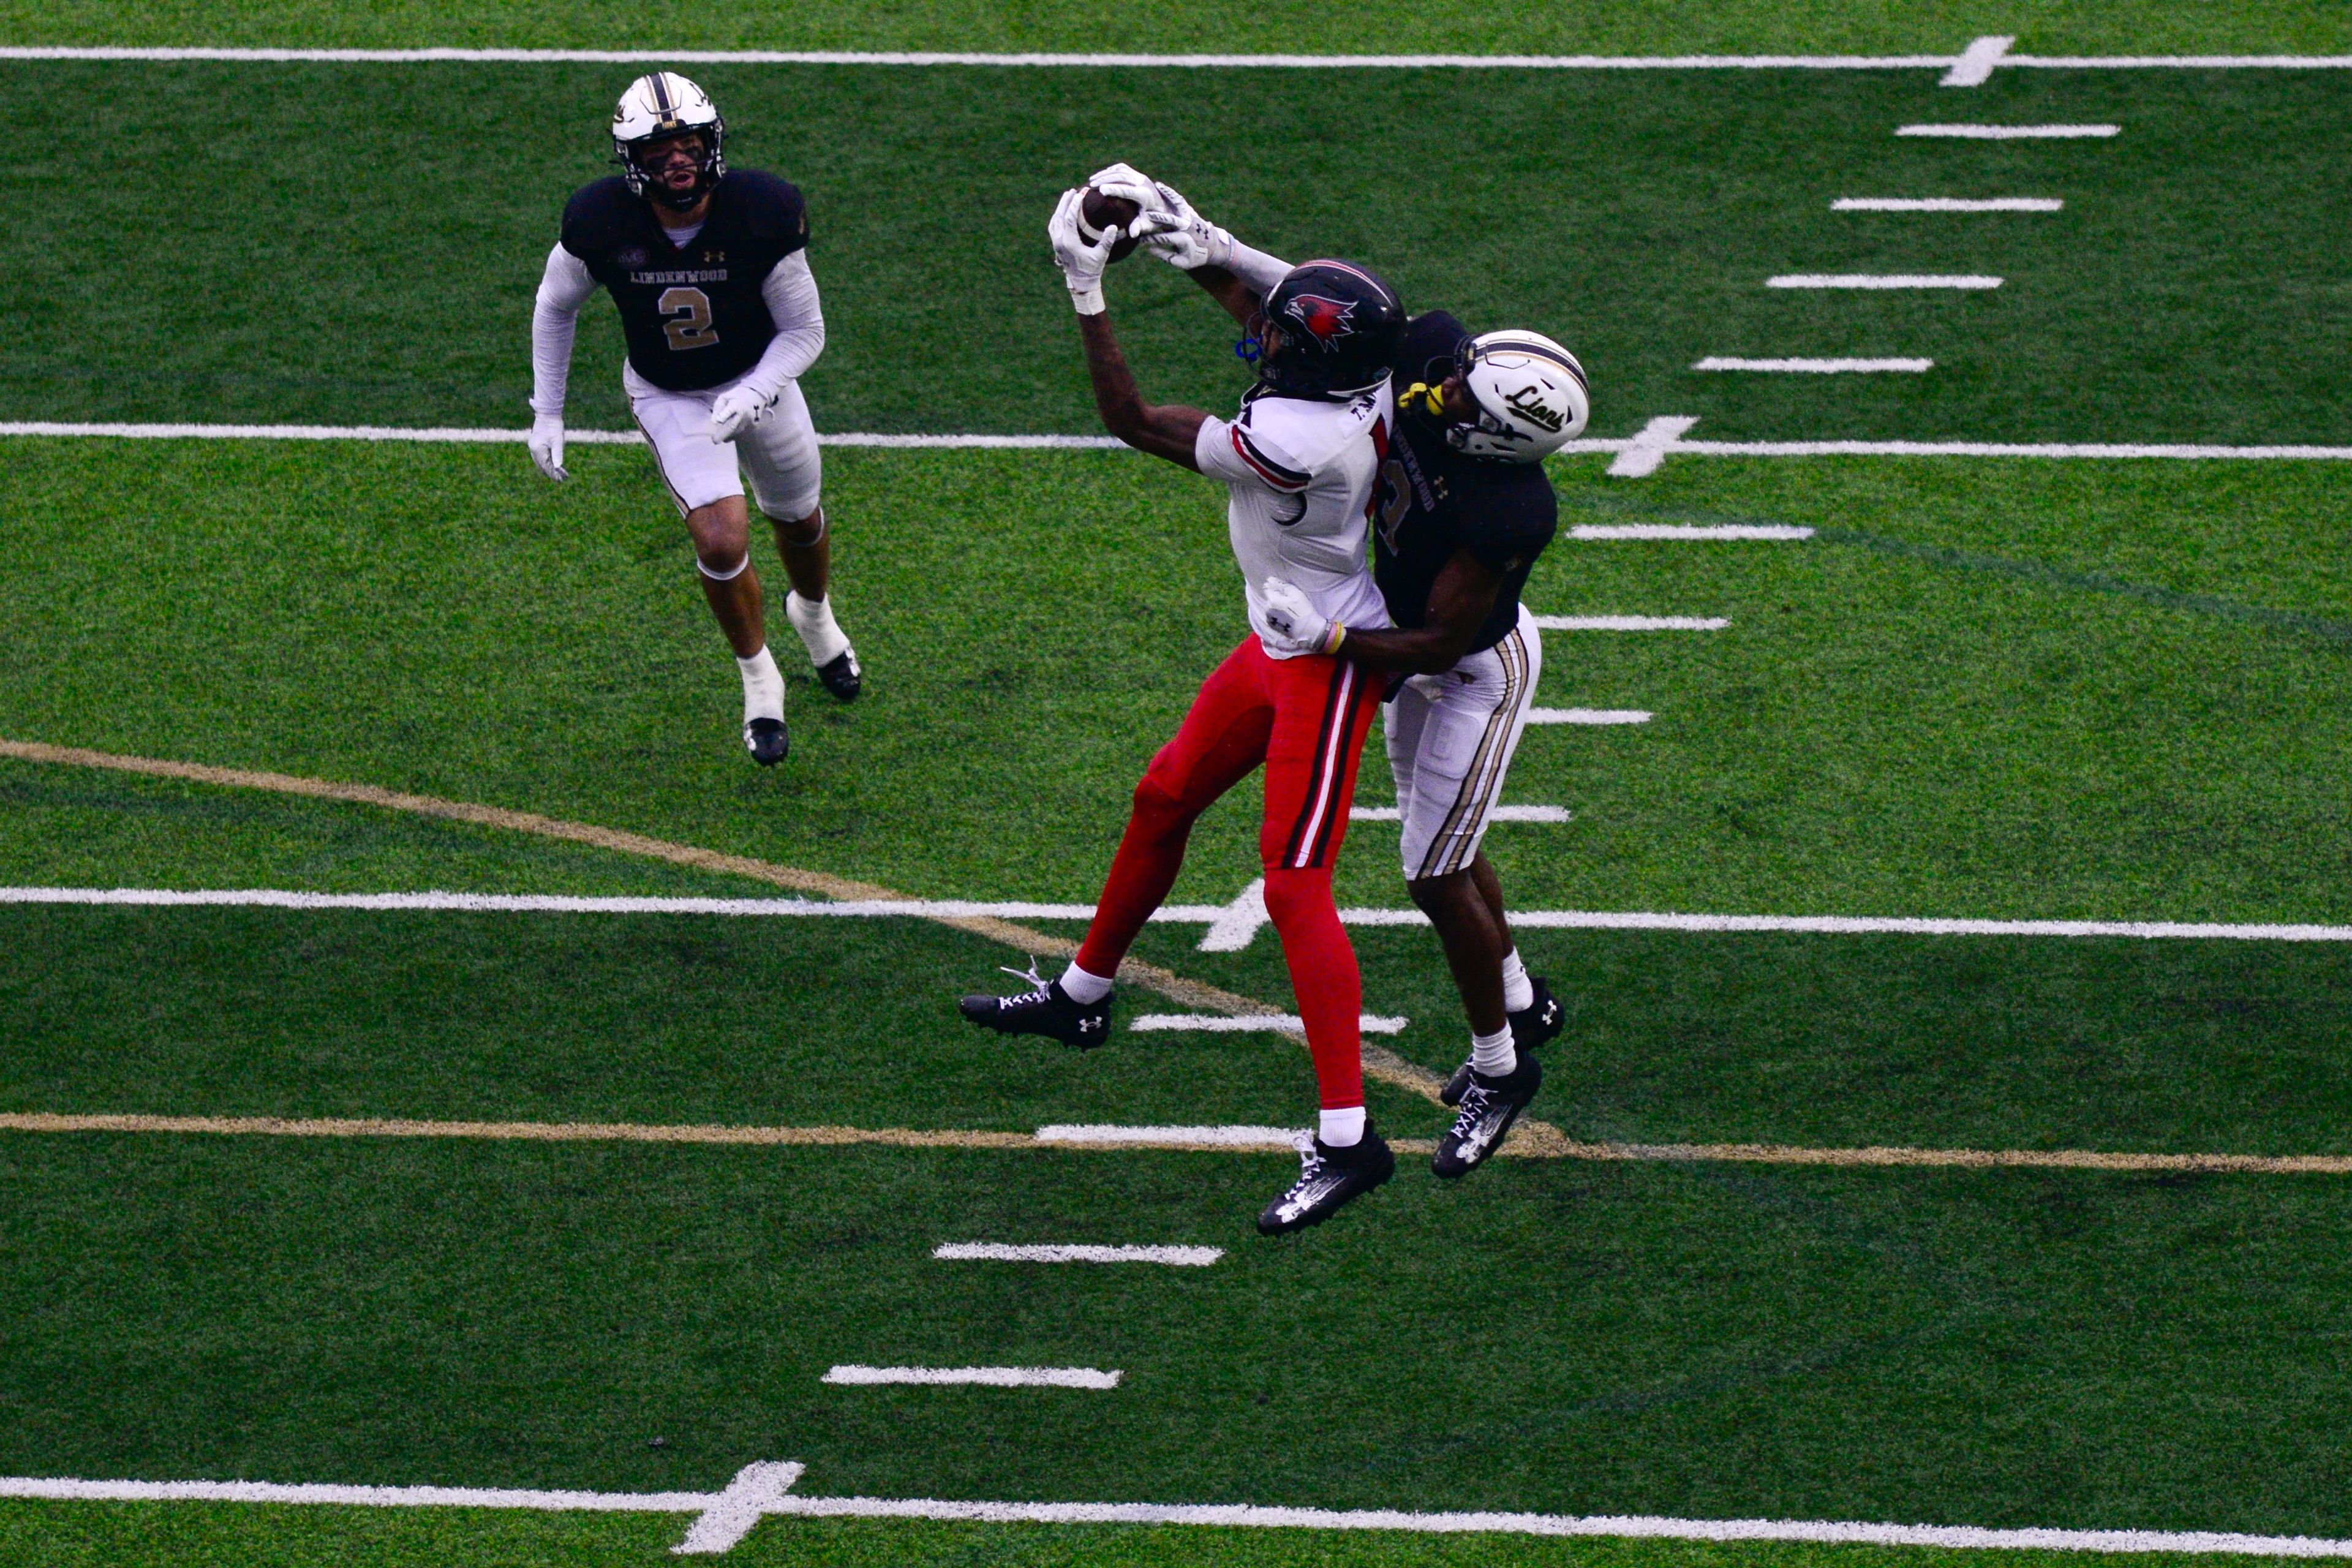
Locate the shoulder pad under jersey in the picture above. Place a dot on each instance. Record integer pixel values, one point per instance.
(772, 209)
(599, 217)
(1306, 437)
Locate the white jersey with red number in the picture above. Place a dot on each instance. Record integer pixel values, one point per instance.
(1301, 476)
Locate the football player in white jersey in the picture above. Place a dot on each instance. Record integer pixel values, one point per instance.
(1463, 510)
(709, 267)
(1299, 461)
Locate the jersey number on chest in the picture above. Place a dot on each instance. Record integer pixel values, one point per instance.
(1393, 497)
(687, 319)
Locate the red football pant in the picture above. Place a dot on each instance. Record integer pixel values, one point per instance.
(1306, 720)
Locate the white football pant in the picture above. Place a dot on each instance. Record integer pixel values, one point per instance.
(1451, 736)
(779, 450)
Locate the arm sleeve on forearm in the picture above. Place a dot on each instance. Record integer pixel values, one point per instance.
(553, 322)
(790, 292)
(1257, 268)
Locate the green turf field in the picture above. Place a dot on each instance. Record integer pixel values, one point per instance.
(2008, 688)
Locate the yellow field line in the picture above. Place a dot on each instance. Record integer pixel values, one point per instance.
(1538, 1146)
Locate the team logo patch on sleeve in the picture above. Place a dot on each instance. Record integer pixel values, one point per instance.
(1326, 320)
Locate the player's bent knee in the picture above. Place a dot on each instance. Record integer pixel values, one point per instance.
(1432, 895)
(724, 573)
(1162, 806)
(804, 530)
(1298, 893)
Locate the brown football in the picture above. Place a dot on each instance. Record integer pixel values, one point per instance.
(1097, 212)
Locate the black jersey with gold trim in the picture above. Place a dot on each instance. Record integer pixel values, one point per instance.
(693, 314)
(1433, 501)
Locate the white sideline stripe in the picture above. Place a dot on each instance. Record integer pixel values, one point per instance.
(1500, 814)
(1062, 1252)
(495, 436)
(1960, 69)
(1689, 531)
(987, 1376)
(1882, 280)
(1947, 205)
(1588, 716)
(1630, 623)
(1817, 366)
(1649, 447)
(2011, 132)
(1177, 914)
(1226, 1137)
(1250, 1023)
(1975, 66)
(1242, 1516)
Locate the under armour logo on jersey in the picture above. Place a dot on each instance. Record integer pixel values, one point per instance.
(1326, 321)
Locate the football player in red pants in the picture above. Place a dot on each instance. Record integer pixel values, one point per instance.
(1299, 461)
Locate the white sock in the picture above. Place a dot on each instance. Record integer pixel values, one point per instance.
(820, 634)
(763, 685)
(1518, 991)
(1343, 1127)
(1491, 1056)
(1083, 988)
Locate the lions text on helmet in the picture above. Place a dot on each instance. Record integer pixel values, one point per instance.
(1526, 397)
(669, 140)
(709, 270)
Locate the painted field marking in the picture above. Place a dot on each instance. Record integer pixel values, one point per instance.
(1774, 530)
(1818, 366)
(1962, 281)
(1530, 1140)
(763, 1490)
(1631, 623)
(1959, 70)
(2012, 132)
(1947, 205)
(1176, 914)
(985, 1377)
(1500, 814)
(1073, 1252)
(1219, 1024)
(1588, 716)
(1648, 448)
(1975, 66)
(497, 436)
(1236, 925)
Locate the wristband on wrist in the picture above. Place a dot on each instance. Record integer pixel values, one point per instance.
(1333, 638)
(1088, 302)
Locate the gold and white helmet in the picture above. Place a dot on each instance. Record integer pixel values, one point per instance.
(1530, 393)
(662, 105)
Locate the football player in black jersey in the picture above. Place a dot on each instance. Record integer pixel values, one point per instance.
(1463, 510)
(709, 267)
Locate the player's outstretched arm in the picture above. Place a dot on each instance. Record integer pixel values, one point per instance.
(554, 320)
(1163, 430)
(1236, 277)
(1459, 603)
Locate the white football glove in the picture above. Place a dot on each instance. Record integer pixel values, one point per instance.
(1127, 180)
(1082, 264)
(1182, 237)
(546, 443)
(735, 410)
(1297, 625)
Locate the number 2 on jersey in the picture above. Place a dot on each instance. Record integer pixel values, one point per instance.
(688, 323)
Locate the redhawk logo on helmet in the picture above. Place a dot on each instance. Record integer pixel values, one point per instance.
(1327, 320)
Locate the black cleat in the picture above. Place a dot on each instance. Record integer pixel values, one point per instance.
(1048, 1010)
(1489, 1106)
(1327, 1179)
(1537, 1023)
(767, 741)
(841, 676)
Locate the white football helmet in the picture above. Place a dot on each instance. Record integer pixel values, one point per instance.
(666, 104)
(1530, 395)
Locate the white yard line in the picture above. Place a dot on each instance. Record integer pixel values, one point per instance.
(1630, 623)
(1588, 716)
(1501, 814)
(492, 436)
(1641, 455)
(1947, 205)
(1959, 280)
(1778, 530)
(2092, 449)
(1071, 1252)
(1965, 69)
(2011, 132)
(1236, 925)
(763, 1490)
(1226, 1137)
(985, 1377)
(1250, 1023)
(1177, 914)
(1818, 366)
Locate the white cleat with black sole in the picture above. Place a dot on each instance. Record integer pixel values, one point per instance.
(1489, 1106)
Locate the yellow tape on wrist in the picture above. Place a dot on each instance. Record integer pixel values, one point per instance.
(1333, 638)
